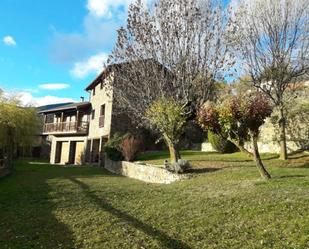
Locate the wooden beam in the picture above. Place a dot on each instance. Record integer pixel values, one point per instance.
(61, 120)
(77, 119)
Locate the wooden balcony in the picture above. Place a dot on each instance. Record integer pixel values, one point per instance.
(66, 128)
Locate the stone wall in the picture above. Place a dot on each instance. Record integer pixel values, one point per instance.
(268, 141)
(103, 96)
(207, 147)
(146, 173)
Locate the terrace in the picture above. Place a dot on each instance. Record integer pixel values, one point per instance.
(68, 119)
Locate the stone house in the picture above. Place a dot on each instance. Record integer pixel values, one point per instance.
(77, 132)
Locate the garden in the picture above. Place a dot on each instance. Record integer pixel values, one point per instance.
(229, 206)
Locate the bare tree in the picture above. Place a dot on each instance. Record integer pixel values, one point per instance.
(171, 49)
(272, 38)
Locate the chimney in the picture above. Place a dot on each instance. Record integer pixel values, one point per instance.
(82, 99)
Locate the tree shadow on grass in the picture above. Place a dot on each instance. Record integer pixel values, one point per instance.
(26, 212)
(202, 170)
(162, 237)
(292, 176)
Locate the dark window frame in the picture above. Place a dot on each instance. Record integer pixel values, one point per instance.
(102, 116)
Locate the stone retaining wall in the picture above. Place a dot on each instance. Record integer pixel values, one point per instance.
(146, 173)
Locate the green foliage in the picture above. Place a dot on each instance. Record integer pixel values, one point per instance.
(168, 116)
(220, 143)
(112, 147)
(18, 125)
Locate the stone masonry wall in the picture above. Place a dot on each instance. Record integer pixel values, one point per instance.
(146, 173)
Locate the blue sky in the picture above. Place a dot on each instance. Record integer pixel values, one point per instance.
(50, 50)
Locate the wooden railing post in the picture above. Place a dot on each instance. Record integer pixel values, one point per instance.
(61, 121)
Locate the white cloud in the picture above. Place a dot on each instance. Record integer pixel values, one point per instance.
(94, 64)
(9, 41)
(99, 32)
(105, 8)
(27, 99)
(54, 86)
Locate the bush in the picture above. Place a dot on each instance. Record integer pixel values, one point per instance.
(113, 153)
(130, 146)
(112, 147)
(220, 144)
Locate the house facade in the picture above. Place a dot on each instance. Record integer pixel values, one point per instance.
(77, 132)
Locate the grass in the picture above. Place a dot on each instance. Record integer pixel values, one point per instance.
(44, 206)
(216, 160)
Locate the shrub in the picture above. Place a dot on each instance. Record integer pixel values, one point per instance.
(130, 146)
(221, 144)
(112, 147)
(113, 153)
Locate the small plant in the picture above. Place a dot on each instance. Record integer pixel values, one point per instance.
(180, 166)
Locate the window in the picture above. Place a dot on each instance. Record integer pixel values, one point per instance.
(101, 85)
(92, 114)
(93, 91)
(102, 112)
(102, 116)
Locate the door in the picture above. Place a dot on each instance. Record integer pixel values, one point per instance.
(65, 153)
(58, 152)
(79, 154)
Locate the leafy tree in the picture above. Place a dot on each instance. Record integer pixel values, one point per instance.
(18, 125)
(169, 49)
(220, 120)
(251, 111)
(271, 38)
(239, 118)
(169, 117)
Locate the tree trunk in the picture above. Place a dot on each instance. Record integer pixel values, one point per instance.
(282, 134)
(241, 147)
(173, 150)
(257, 158)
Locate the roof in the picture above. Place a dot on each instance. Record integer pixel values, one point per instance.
(70, 106)
(100, 77)
(52, 106)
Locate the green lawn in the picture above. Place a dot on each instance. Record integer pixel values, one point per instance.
(44, 206)
(212, 159)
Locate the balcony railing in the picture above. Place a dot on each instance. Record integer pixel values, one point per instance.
(66, 127)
